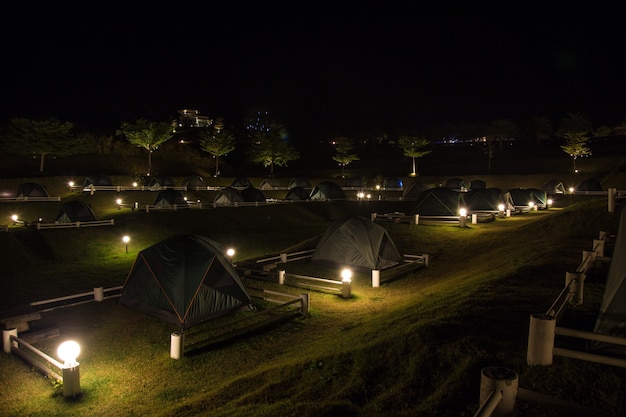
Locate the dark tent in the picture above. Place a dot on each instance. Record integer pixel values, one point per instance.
(159, 181)
(252, 195)
(241, 182)
(439, 201)
(413, 190)
(228, 195)
(612, 315)
(75, 211)
(589, 185)
(357, 242)
(553, 187)
(327, 190)
(170, 198)
(392, 183)
(455, 184)
(299, 182)
(478, 185)
(184, 280)
(269, 184)
(97, 180)
(521, 198)
(297, 193)
(539, 197)
(194, 182)
(31, 189)
(487, 200)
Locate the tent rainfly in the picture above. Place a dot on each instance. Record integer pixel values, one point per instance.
(589, 185)
(184, 280)
(553, 187)
(194, 181)
(75, 211)
(297, 193)
(97, 180)
(439, 202)
(487, 200)
(413, 190)
(269, 184)
(299, 182)
(327, 190)
(456, 184)
(241, 183)
(357, 242)
(31, 189)
(252, 195)
(170, 198)
(228, 195)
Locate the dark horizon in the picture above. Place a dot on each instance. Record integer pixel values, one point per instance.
(320, 71)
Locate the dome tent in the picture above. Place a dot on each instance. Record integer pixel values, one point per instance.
(241, 183)
(439, 202)
(589, 185)
(456, 184)
(357, 242)
(299, 182)
(252, 195)
(170, 198)
(184, 280)
(159, 181)
(75, 211)
(413, 190)
(194, 181)
(327, 190)
(228, 195)
(97, 180)
(297, 193)
(487, 200)
(31, 189)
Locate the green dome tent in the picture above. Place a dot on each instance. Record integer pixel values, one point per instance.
(357, 242)
(228, 195)
(75, 211)
(184, 280)
(251, 195)
(327, 190)
(170, 198)
(487, 200)
(31, 189)
(439, 201)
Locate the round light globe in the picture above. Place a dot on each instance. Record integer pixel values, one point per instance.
(346, 275)
(68, 352)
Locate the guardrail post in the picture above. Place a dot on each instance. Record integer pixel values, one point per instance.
(589, 259)
(373, 217)
(375, 278)
(541, 339)
(598, 247)
(417, 219)
(576, 287)
(71, 380)
(6, 339)
(474, 218)
(612, 193)
(283, 258)
(98, 294)
(498, 383)
(177, 342)
(426, 259)
(281, 277)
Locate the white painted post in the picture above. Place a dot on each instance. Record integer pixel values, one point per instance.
(462, 221)
(541, 339)
(598, 247)
(375, 278)
(474, 218)
(426, 258)
(417, 219)
(612, 193)
(177, 339)
(71, 380)
(6, 339)
(281, 277)
(589, 257)
(283, 258)
(508, 212)
(98, 294)
(373, 217)
(577, 286)
(502, 382)
(346, 288)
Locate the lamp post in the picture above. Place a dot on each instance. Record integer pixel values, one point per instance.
(230, 252)
(68, 352)
(126, 239)
(463, 217)
(346, 283)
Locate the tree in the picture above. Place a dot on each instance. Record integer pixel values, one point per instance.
(41, 138)
(413, 147)
(540, 128)
(148, 135)
(574, 122)
(217, 142)
(344, 156)
(576, 145)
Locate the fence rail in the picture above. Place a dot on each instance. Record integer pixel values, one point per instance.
(26, 199)
(73, 225)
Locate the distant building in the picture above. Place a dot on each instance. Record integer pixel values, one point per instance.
(191, 118)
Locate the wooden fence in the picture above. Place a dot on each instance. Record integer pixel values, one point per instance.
(73, 225)
(27, 199)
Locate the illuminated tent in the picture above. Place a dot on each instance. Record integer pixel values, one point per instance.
(184, 280)
(553, 187)
(75, 211)
(439, 201)
(612, 315)
(357, 242)
(327, 190)
(31, 189)
(540, 197)
(228, 195)
(521, 198)
(170, 198)
(252, 195)
(487, 200)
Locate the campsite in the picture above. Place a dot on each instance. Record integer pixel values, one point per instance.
(413, 346)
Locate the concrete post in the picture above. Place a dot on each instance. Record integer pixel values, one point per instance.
(71, 380)
(541, 339)
(6, 339)
(281, 277)
(462, 221)
(474, 218)
(612, 194)
(598, 247)
(375, 278)
(283, 258)
(373, 217)
(98, 294)
(346, 288)
(508, 212)
(305, 303)
(577, 286)
(500, 381)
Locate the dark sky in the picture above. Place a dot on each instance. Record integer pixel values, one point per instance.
(320, 69)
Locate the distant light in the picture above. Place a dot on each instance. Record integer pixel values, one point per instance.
(550, 201)
(119, 201)
(68, 352)
(571, 189)
(135, 184)
(14, 217)
(531, 204)
(230, 252)
(71, 183)
(126, 239)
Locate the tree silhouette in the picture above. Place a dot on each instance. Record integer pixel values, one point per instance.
(148, 135)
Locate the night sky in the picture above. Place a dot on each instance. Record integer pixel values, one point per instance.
(320, 69)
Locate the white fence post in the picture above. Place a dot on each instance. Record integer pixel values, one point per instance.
(541, 339)
(417, 219)
(281, 277)
(98, 294)
(598, 247)
(6, 339)
(612, 193)
(375, 278)
(373, 217)
(305, 303)
(577, 286)
(474, 218)
(498, 391)
(283, 258)
(177, 342)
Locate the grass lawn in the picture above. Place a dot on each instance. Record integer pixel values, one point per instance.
(413, 347)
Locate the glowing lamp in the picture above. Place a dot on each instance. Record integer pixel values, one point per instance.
(463, 212)
(135, 184)
(571, 189)
(71, 183)
(14, 217)
(68, 352)
(549, 201)
(230, 252)
(346, 283)
(500, 207)
(531, 204)
(119, 201)
(126, 239)
(346, 275)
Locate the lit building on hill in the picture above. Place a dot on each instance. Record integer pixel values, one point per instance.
(192, 118)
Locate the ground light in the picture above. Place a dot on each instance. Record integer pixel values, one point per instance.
(126, 239)
(463, 217)
(346, 283)
(230, 252)
(119, 203)
(68, 352)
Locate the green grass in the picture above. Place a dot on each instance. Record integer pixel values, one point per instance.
(413, 347)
